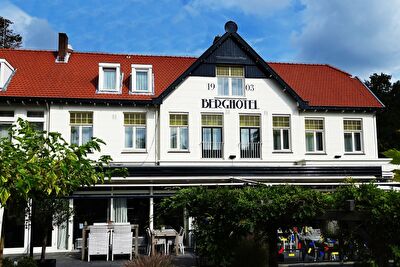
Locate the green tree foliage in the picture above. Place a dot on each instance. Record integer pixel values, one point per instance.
(8, 38)
(44, 168)
(224, 217)
(388, 123)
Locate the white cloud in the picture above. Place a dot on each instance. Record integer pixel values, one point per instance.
(36, 32)
(249, 7)
(359, 36)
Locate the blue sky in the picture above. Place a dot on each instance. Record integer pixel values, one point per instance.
(358, 36)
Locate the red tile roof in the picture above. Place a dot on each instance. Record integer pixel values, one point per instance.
(38, 75)
(324, 85)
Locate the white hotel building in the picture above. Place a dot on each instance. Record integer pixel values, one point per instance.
(225, 118)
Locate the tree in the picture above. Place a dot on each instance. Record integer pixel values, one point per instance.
(224, 217)
(8, 39)
(388, 124)
(42, 167)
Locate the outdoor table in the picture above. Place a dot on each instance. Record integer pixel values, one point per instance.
(165, 234)
(110, 227)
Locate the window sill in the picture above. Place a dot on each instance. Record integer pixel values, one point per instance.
(230, 97)
(316, 153)
(134, 151)
(108, 91)
(141, 92)
(354, 153)
(178, 151)
(282, 152)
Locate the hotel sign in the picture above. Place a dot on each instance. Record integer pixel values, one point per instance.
(229, 103)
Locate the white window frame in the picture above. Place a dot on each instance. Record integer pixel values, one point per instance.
(37, 119)
(8, 120)
(281, 133)
(80, 126)
(353, 138)
(230, 90)
(134, 127)
(315, 136)
(118, 78)
(4, 77)
(178, 132)
(142, 68)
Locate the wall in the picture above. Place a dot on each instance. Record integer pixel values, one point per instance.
(271, 100)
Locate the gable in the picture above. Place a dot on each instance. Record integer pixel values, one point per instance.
(229, 53)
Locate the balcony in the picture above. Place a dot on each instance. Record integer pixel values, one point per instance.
(212, 150)
(250, 150)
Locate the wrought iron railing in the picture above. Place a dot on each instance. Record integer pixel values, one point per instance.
(212, 150)
(250, 150)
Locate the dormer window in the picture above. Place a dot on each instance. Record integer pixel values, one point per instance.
(142, 79)
(6, 72)
(109, 77)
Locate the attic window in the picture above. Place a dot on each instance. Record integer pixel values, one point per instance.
(142, 79)
(6, 73)
(230, 80)
(109, 78)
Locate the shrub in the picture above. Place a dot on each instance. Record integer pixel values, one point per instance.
(27, 262)
(7, 262)
(152, 261)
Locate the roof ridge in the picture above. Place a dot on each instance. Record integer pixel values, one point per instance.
(101, 53)
(297, 63)
(311, 64)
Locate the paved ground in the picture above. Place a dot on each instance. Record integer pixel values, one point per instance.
(72, 259)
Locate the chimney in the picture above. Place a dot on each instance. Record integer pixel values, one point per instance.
(62, 55)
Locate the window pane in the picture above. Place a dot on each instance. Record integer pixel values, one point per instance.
(81, 118)
(206, 134)
(75, 135)
(314, 124)
(135, 118)
(184, 136)
(310, 142)
(142, 81)
(109, 78)
(4, 130)
(348, 142)
(178, 119)
(140, 138)
(37, 126)
(174, 138)
(280, 121)
(237, 87)
(35, 114)
(277, 139)
(237, 71)
(217, 138)
(320, 141)
(285, 133)
(211, 120)
(129, 137)
(352, 125)
(223, 86)
(247, 121)
(222, 70)
(357, 141)
(6, 113)
(254, 135)
(87, 134)
(244, 138)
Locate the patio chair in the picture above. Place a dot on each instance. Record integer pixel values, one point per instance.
(122, 240)
(179, 239)
(157, 242)
(98, 241)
